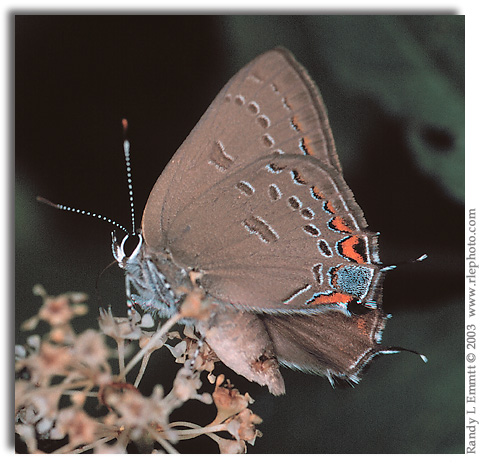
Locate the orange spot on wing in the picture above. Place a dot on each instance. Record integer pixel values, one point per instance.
(332, 298)
(329, 207)
(307, 145)
(300, 178)
(317, 193)
(296, 123)
(338, 223)
(348, 249)
(333, 275)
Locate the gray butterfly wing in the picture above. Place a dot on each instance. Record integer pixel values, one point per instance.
(282, 233)
(271, 106)
(327, 342)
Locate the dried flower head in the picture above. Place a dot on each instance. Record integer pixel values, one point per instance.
(228, 400)
(80, 428)
(242, 426)
(90, 349)
(58, 310)
(66, 363)
(49, 361)
(120, 328)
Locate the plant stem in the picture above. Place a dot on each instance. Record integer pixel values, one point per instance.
(151, 344)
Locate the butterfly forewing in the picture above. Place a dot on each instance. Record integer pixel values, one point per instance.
(270, 106)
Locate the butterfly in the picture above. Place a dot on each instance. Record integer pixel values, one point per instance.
(255, 205)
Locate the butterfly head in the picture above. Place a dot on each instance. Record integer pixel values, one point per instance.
(118, 249)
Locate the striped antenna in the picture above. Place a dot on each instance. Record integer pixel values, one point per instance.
(126, 152)
(81, 212)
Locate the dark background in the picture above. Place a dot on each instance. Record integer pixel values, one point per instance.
(394, 88)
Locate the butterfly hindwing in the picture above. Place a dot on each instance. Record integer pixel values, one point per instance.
(281, 233)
